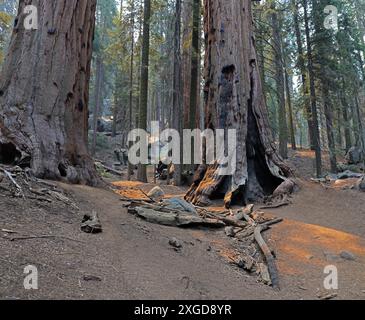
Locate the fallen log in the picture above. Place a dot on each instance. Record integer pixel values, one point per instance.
(275, 206)
(270, 260)
(175, 219)
(109, 169)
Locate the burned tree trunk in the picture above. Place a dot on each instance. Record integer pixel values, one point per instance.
(44, 92)
(234, 100)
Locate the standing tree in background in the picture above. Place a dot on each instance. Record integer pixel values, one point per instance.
(97, 100)
(187, 18)
(324, 42)
(234, 100)
(44, 92)
(194, 79)
(177, 87)
(105, 11)
(313, 97)
(303, 71)
(279, 79)
(143, 100)
(195, 65)
(131, 83)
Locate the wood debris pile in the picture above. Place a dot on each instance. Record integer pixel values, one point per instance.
(345, 180)
(18, 183)
(244, 227)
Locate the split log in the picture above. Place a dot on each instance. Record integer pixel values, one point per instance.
(91, 223)
(246, 211)
(264, 274)
(245, 262)
(245, 233)
(228, 221)
(60, 197)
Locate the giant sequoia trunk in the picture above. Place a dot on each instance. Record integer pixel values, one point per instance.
(44, 92)
(234, 99)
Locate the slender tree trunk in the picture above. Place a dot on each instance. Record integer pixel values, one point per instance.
(115, 115)
(98, 99)
(187, 59)
(143, 103)
(44, 90)
(339, 129)
(131, 83)
(303, 71)
(355, 121)
(177, 93)
(360, 123)
(330, 132)
(194, 80)
(118, 85)
(322, 46)
(194, 64)
(234, 100)
(346, 122)
(314, 113)
(280, 88)
(290, 109)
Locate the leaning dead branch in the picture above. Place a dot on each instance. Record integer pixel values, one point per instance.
(19, 188)
(43, 237)
(275, 206)
(270, 260)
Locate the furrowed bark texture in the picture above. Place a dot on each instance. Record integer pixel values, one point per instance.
(234, 100)
(44, 91)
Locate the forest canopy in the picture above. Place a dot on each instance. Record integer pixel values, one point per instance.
(235, 127)
(310, 55)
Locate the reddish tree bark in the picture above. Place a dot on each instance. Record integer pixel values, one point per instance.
(234, 99)
(44, 91)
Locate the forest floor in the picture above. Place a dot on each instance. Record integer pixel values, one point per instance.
(132, 259)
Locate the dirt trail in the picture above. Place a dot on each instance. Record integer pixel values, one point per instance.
(134, 260)
(338, 209)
